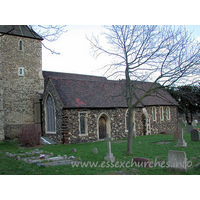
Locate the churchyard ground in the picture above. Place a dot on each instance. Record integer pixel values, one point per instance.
(153, 147)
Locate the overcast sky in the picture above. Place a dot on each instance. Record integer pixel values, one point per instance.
(76, 54)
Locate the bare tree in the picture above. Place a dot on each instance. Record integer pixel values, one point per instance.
(162, 54)
(49, 33)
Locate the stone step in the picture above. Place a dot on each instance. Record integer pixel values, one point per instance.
(46, 141)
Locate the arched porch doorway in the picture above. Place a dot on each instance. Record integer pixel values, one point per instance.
(103, 126)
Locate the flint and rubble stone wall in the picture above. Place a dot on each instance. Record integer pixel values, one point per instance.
(19, 91)
(165, 126)
(67, 121)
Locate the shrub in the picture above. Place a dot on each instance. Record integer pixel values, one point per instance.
(30, 135)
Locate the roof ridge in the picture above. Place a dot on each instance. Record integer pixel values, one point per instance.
(74, 79)
(74, 74)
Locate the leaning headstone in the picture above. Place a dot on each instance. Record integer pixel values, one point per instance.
(194, 135)
(189, 128)
(109, 155)
(95, 150)
(177, 160)
(73, 150)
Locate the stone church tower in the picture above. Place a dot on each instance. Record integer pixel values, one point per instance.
(21, 79)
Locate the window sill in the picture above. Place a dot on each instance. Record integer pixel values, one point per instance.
(50, 132)
(83, 134)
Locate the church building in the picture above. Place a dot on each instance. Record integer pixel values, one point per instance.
(70, 108)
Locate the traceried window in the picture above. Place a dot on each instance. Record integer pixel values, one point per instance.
(154, 113)
(50, 115)
(83, 123)
(168, 113)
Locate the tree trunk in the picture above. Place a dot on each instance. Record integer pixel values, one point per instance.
(187, 118)
(130, 131)
(191, 117)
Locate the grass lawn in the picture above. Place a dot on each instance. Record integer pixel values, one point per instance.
(143, 146)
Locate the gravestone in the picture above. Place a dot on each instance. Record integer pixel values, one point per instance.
(18, 157)
(181, 142)
(194, 123)
(194, 135)
(176, 134)
(189, 128)
(177, 160)
(73, 150)
(51, 154)
(95, 151)
(142, 162)
(181, 125)
(109, 155)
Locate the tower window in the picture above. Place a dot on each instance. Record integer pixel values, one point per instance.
(21, 71)
(20, 45)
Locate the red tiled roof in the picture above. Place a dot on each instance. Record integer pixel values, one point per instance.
(82, 91)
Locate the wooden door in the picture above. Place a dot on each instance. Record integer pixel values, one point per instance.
(102, 128)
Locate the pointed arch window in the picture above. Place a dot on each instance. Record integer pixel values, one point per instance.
(50, 115)
(83, 128)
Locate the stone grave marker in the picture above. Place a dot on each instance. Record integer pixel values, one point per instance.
(181, 125)
(177, 160)
(143, 162)
(194, 123)
(95, 151)
(176, 134)
(109, 155)
(18, 157)
(51, 154)
(189, 128)
(194, 135)
(181, 142)
(73, 150)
